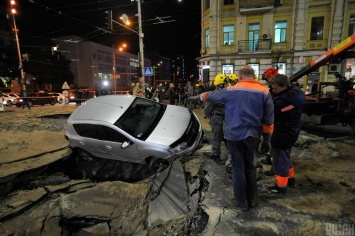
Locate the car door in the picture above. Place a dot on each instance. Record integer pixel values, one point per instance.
(115, 145)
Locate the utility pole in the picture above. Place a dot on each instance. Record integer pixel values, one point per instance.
(141, 54)
(114, 67)
(13, 11)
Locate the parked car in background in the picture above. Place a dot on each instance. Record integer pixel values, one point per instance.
(59, 96)
(84, 94)
(39, 99)
(133, 129)
(9, 99)
(16, 95)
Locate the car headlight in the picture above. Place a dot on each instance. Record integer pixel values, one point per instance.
(72, 97)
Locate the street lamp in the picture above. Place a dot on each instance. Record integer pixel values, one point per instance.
(155, 72)
(114, 77)
(124, 18)
(13, 12)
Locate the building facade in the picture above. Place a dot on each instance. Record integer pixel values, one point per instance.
(285, 34)
(98, 66)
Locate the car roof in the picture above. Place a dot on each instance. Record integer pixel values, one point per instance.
(104, 108)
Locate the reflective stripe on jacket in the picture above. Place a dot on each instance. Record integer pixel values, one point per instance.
(288, 107)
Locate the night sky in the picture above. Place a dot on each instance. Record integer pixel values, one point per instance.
(178, 32)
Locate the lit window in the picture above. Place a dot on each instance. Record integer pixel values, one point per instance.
(352, 25)
(228, 34)
(280, 31)
(317, 28)
(207, 37)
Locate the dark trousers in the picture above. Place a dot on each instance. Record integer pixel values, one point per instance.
(243, 155)
(216, 123)
(25, 103)
(281, 162)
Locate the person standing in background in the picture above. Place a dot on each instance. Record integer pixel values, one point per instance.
(24, 95)
(171, 94)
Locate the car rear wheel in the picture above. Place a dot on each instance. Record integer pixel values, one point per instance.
(30, 104)
(52, 103)
(81, 153)
(8, 103)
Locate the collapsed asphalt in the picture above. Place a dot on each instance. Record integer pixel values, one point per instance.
(191, 197)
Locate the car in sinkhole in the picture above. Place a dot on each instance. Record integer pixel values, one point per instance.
(133, 129)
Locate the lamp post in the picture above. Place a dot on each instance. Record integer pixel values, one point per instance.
(115, 76)
(155, 72)
(13, 12)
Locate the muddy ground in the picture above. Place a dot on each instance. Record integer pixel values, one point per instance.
(51, 201)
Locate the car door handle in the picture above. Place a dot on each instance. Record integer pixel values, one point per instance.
(108, 147)
(82, 143)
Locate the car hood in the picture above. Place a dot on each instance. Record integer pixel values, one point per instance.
(171, 126)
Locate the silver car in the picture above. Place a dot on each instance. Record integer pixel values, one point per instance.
(133, 129)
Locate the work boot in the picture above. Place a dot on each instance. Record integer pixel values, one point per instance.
(218, 160)
(291, 182)
(215, 158)
(268, 160)
(269, 173)
(229, 168)
(242, 207)
(277, 189)
(253, 203)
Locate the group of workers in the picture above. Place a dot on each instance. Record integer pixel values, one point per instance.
(243, 113)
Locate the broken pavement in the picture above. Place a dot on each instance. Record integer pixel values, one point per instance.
(191, 197)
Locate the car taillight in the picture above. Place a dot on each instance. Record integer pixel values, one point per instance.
(66, 137)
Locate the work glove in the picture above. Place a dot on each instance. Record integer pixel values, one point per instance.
(265, 147)
(194, 98)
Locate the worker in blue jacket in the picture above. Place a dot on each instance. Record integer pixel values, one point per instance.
(289, 101)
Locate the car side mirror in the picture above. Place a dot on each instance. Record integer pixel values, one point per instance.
(125, 144)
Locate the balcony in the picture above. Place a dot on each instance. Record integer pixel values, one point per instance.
(254, 46)
(254, 6)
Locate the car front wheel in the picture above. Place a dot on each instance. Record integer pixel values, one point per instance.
(8, 103)
(158, 164)
(52, 103)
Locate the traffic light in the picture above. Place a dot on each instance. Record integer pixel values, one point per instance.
(139, 72)
(25, 57)
(108, 19)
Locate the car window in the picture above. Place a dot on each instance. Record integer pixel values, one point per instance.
(99, 132)
(86, 130)
(141, 118)
(109, 134)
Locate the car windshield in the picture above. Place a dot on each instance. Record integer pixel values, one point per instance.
(141, 118)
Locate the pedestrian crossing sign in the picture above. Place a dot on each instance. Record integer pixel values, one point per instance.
(148, 71)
